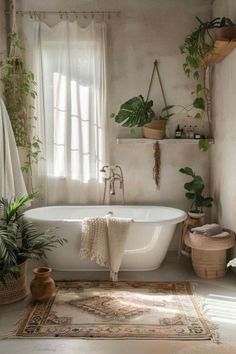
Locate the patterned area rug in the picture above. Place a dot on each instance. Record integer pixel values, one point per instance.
(100, 309)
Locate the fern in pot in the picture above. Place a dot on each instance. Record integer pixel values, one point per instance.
(195, 194)
(19, 241)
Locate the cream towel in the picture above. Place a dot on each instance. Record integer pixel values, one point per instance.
(94, 241)
(208, 229)
(11, 179)
(222, 234)
(103, 241)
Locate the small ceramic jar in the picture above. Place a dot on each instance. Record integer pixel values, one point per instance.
(42, 286)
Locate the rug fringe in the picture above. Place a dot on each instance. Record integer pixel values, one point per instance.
(204, 307)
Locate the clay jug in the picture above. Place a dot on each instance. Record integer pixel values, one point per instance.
(42, 286)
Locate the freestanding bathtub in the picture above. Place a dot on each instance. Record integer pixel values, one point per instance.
(147, 243)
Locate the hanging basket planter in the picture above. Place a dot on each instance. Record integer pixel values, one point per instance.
(155, 130)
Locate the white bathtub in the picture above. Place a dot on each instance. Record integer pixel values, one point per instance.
(148, 238)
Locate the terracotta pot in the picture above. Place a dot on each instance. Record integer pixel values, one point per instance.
(155, 130)
(42, 286)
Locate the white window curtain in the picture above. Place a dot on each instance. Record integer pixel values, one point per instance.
(69, 63)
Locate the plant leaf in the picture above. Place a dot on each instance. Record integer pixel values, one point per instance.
(187, 171)
(203, 144)
(135, 112)
(199, 103)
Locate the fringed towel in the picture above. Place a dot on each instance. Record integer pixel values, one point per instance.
(103, 241)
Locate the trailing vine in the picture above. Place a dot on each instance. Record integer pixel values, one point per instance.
(196, 49)
(19, 91)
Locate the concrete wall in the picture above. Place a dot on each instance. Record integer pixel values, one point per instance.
(223, 156)
(145, 31)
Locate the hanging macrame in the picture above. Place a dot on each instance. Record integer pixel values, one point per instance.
(157, 165)
(157, 150)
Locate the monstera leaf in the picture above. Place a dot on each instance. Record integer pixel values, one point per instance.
(136, 112)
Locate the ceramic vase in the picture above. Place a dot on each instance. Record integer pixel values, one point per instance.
(42, 286)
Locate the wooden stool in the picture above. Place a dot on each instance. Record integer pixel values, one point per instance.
(209, 253)
(182, 249)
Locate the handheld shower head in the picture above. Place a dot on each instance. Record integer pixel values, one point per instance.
(103, 169)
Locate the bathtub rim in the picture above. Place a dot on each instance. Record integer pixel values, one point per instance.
(175, 220)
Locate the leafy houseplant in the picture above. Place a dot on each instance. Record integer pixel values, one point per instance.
(136, 112)
(196, 48)
(19, 89)
(19, 241)
(194, 192)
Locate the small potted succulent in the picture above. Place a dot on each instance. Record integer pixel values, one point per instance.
(194, 193)
(19, 241)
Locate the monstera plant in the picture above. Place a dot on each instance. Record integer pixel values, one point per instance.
(136, 112)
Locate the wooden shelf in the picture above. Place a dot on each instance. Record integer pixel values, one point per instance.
(222, 49)
(163, 141)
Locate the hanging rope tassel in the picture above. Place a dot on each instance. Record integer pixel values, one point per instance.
(157, 165)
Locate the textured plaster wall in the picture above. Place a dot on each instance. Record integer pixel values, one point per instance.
(145, 31)
(223, 156)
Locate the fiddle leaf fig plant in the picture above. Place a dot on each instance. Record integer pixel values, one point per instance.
(195, 190)
(136, 112)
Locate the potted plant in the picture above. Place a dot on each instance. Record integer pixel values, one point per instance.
(194, 193)
(19, 91)
(137, 112)
(19, 241)
(197, 48)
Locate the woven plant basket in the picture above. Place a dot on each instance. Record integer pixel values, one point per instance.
(15, 289)
(155, 130)
(209, 254)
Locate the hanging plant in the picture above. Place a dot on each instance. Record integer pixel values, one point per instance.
(197, 48)
(19, 91)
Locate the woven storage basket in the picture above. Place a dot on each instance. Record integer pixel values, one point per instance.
(155, 130)
(209, 254)
(15, 289)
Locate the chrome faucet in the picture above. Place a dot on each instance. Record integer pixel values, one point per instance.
(113, 174)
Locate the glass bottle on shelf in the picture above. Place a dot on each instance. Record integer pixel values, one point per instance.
(178, 133)
(191, 132)
(196, 133)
